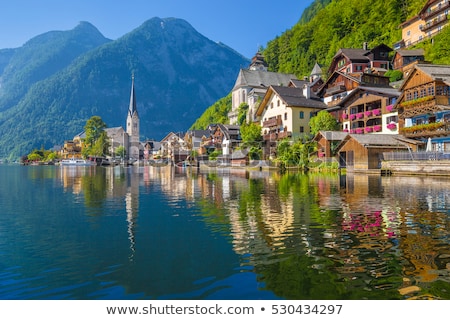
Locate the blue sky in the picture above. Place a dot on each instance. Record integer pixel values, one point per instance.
(242, 25)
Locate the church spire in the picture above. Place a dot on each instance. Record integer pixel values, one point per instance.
(132, 108)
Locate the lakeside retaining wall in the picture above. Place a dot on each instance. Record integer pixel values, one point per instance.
(420, 167)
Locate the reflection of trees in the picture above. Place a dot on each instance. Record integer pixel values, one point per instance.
(94, 189)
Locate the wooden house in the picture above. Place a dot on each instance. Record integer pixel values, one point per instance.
(404, 60)
(351, 61)
(364, 152)
(327, 141)
(368, 110)
(424, 105)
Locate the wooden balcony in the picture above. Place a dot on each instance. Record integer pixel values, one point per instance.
(273, 122)
(410, 109)
(439, 9)
(276, 136)
(434, 23)
(438, 129)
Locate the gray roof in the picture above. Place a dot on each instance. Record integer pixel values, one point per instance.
(410, 53)
(261, 79)
(293, 97)
(353, 54)
(333, 135)
(317, 70)
(436, 71)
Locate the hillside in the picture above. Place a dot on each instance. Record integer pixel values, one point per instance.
(178, 73)
(328, 25)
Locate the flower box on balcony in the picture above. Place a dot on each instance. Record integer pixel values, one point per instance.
(368, 113)
(368, 129)
(376, 112)
(352, 117)
(390, 107)
(344, 116)
(392, 126)
(359, 115)
(358, 130)
(377, 128)
(352, 131)
(345, 130)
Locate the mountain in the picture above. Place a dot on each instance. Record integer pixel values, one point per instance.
(178, 73)
(329, 25)
(326, 26)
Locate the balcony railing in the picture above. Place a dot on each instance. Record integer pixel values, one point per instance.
(274, 122)
(429, 130)
(439, 9)
(434, 23)
(275, 136)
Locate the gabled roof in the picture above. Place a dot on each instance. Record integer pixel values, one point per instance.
(434, 71)
(292, 97)
(331, 135)
(378, 140)
(261, 79)
(353, 54)
(410, 53)
(333, 76)
(377, 91)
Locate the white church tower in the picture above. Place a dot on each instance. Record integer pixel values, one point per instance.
(133, 125)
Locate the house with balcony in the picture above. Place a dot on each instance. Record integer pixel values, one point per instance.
(370, 110)
(356, 61)
(285, 112)
(424, 105)
(430, 20)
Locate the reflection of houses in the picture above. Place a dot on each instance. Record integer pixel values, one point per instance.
(370, 110)
(430, 20)
(251, 85)
(424, 106)
(285, 112)
(365, 151)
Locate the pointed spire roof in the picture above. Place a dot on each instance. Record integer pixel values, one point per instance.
(132, 108)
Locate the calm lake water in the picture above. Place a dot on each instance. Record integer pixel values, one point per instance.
(168, 233)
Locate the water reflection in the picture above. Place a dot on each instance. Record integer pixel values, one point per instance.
(173, 233)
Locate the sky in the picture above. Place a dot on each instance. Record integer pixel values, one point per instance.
(242, 25)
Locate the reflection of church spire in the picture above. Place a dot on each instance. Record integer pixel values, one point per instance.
(132, 208)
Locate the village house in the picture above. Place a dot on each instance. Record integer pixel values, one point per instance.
(370, 110)
(430, 20)
(174, 148)
(353, 61)
(364, 152)
(251, 85)
(327, 142)
(404, 59)
(285, 112)
(223, 138)
(424, 105)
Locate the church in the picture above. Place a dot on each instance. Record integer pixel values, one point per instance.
(128, 138)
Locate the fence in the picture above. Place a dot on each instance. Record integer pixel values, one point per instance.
(415, 156)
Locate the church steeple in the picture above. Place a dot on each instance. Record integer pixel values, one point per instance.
(132, 108)
(133, 125)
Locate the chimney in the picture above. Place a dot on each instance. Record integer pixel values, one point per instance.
(365, 46)
(307, 91)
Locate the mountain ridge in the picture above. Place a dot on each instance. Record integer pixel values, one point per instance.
(178, 74)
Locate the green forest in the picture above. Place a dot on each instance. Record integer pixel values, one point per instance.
(329, 25)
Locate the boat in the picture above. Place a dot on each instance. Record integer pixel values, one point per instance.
(77, 162)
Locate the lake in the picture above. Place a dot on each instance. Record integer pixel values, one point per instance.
(174, 233)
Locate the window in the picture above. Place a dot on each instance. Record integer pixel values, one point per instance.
(271, 105)
(301, 115)
(408, 33)
(392, 119)
(285, 116)
(302, 129)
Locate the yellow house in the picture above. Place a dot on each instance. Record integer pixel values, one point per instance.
(285, 112)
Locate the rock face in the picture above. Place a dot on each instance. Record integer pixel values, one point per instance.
(58, 80)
